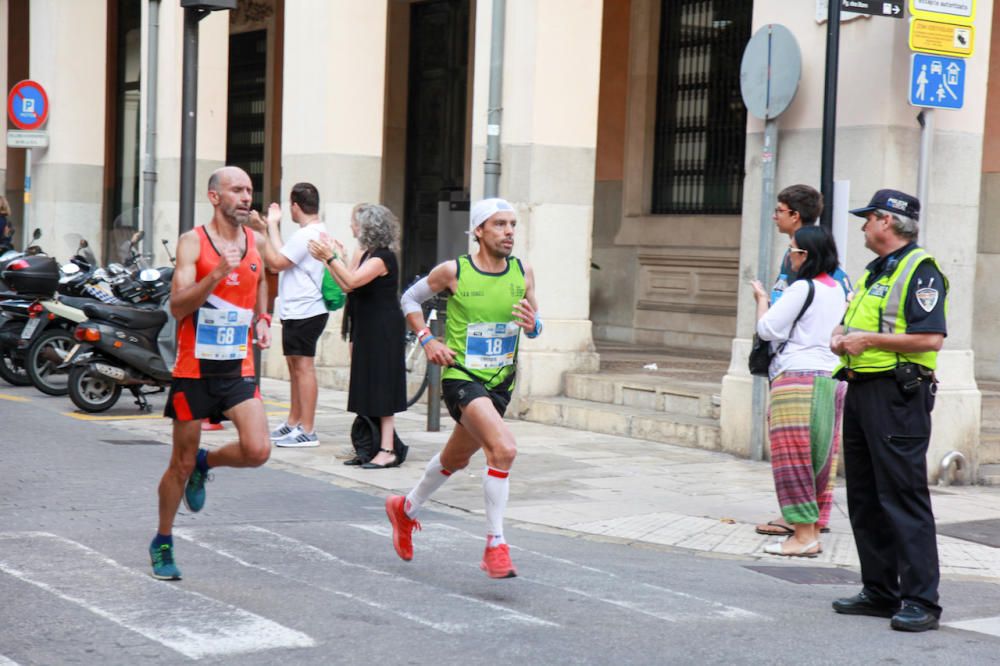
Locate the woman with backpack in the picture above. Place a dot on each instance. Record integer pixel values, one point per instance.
(806, 402)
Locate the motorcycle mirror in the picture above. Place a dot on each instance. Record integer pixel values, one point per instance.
(149, 275)
(36, 234)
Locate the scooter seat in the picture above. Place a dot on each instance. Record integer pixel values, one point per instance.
(125, 316)
(78, 302)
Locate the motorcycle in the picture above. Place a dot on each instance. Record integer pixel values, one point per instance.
(125, 347)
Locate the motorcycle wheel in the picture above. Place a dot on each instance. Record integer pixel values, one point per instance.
(11, 370)
(43, 359)
(92, 392)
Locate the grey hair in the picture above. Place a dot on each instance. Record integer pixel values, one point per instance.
(904, 226)
(377, 226)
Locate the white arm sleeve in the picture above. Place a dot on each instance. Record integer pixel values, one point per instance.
(413, 297)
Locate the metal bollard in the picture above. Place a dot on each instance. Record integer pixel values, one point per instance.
(434, 377)
(953, 457)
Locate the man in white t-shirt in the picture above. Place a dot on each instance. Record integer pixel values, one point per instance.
(301, 308)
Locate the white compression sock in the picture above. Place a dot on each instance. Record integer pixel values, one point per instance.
(434, 477)
(496, 490)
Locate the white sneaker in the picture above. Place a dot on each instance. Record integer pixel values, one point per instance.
(298, 439)
(281, 431)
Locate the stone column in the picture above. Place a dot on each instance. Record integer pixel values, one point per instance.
(68, 177)
(548, 137)
(878, 140)
(332, 128)
(5, 88)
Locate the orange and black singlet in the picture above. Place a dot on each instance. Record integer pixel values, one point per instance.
(215, 340)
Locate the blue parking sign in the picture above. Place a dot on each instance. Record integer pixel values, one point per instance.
(937, 82)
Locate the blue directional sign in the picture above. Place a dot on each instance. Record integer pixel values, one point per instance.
(937, 82)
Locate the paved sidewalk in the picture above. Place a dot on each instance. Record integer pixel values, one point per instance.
(613, 486)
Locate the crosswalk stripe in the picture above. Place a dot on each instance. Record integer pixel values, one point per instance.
(983, 625)
(4, 661)
(643, 598)
(260, 544)
(185, 621)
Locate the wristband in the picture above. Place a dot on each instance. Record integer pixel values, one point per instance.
(422, 332)
(263, 316)
(534, 333)
(424, 340)
(332, 257)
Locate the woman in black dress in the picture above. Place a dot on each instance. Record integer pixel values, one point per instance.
(374, 320)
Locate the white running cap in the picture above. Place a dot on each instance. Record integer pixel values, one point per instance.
(484, 210)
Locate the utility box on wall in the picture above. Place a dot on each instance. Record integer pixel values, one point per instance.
(453, 224)
(210, 5)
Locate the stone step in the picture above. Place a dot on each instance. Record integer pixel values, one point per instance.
(626, 421)
(651, 392)
(991, 410)
(989, 475)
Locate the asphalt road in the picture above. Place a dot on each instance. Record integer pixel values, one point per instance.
(281, 568)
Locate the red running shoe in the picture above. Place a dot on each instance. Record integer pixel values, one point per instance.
(402, 526)
(496, 562)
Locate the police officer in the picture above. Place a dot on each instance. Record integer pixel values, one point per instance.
(888, 343)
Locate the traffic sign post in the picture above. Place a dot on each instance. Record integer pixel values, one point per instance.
(28, 109)
(874, 7)
(937, 82)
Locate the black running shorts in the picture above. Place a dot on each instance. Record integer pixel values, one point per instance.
(207, 398)
(459, 392)
(299, 336)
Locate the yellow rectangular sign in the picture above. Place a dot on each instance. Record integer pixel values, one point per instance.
(942, 38)
(945, 11)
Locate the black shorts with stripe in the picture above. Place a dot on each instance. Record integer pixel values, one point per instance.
(208, 398)
(458, 393)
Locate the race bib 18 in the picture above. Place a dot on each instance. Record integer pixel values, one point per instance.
(490, 345)
(222, 334)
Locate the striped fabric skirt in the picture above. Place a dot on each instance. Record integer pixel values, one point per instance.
(804, 421)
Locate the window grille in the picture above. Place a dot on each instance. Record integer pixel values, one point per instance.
(700, 135)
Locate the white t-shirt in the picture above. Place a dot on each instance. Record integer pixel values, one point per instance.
(299, 292)
(808, 347)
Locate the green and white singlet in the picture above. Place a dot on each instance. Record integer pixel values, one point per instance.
(481, 328)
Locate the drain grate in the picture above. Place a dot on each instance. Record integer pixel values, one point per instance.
(985, 532)
(810, 575)
(134, 442)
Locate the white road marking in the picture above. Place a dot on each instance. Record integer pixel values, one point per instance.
(190, 623)
(983, 625)
(643, 598)
(4, 661)
(251, 541)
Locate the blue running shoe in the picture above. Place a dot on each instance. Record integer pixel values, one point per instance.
(163, 562)
(194, 491)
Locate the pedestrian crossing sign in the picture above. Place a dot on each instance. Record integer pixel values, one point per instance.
(937, 82)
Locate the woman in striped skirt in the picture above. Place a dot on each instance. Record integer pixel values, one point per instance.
(804, 419)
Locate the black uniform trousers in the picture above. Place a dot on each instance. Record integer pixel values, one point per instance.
(886, 434)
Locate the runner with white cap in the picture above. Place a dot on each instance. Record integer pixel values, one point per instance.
(492, 300)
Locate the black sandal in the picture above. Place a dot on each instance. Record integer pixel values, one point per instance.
(394, 463)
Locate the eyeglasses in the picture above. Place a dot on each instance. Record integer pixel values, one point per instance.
(779, 210)
(797, 250)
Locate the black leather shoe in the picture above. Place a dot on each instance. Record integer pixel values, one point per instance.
(394, 463)
(354, 461)
(862, 604)
(913, 617)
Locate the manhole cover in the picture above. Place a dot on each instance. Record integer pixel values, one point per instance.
(811, 575)
(986, 532)
(134, 442)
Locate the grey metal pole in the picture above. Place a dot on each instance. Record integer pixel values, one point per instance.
(769, 162)
(434, 377)
(926, 119)
(189, 117)
(149, 163)
(494, 114)
(26, 215)
(830, 110)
